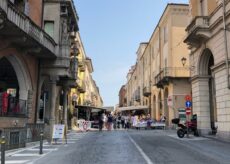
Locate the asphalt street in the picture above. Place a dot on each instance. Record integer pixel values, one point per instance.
(126, 147)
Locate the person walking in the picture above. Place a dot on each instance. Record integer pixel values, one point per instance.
(110, 121)
(114, 122)
(118, 121)
(123, 121)
(101, 122)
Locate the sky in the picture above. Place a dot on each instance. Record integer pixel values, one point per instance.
(111, 31)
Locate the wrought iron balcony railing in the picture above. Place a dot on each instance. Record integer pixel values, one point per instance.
(24, 23)
(171, 72)
(73, 68)
(147, 91)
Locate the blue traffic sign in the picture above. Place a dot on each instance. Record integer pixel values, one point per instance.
(188, 104)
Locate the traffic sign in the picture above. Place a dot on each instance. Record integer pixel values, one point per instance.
(188, 104)
(188, 112)
(188, 98)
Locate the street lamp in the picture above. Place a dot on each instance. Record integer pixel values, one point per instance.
(183, 61)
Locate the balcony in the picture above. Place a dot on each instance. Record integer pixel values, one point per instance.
(81, 66)
(19, 29)
(147, 91)
(198, 31)
(73, 68)
(82, 87)
(169, 73)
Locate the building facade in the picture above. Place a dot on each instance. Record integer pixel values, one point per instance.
(208, 40)
(39, 59)
(158, 73)
(122, 97)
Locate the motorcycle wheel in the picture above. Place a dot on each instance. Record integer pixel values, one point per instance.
(180, 133)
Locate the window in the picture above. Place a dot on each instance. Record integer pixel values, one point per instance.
(49, 28)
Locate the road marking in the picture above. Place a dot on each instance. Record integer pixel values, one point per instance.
(18, 161)
(37, 149)
(60, 142)
(26, 155)
(147, 159)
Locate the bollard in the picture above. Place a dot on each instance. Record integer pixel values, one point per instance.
(41, 142)
(3, 143)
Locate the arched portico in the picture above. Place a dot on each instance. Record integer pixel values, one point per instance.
(160, 110)
(154, 114)
(205, 108)
(23, 80)
(166, 109)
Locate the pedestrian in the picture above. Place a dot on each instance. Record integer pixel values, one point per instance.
(149, 121)
(110, 121)
(101, 122)
(114, 122)
(123, 121)
(118, 121)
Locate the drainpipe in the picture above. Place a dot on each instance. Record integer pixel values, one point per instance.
(226, 45)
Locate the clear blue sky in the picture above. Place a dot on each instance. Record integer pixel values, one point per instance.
(111, 31)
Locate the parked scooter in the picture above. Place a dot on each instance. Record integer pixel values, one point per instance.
(182, 128)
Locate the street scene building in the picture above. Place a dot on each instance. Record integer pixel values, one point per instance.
(158, 73)
(173, 107)
(40, 63)
(208, 39)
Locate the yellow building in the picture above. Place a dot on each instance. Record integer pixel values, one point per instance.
(86, 92)
(158, 72)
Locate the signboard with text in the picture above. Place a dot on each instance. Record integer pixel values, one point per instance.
(58, 131)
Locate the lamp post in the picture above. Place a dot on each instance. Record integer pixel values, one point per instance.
(3, 143)
(183, 61)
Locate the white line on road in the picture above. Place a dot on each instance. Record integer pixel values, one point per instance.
(14, 162)
(147, 159)
(37, 149)
(26, 155)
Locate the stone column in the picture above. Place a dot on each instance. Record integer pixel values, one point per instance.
(53, 95)
(65, 105)
(201, 103)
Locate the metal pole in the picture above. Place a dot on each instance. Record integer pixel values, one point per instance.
(187, 116)
(41, 142)
(3, 142)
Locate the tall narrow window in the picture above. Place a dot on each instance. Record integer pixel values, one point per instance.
(49, 28)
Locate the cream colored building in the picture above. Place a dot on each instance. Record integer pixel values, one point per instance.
(158, 72)
(86, 92)
(208, 39)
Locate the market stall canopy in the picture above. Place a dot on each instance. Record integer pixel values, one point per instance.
(92, 108)
(133, 108)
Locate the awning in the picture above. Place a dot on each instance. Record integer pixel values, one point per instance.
(133, 108)
(92, 108)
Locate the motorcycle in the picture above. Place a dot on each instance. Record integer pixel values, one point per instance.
(187, 127)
